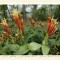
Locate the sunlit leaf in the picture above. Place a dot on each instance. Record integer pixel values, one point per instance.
(45, 49)
(33, 46)
(22, 50)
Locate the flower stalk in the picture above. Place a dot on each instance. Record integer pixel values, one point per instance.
(45, 41)
(4, 22)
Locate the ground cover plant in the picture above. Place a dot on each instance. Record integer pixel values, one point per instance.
(31, 37)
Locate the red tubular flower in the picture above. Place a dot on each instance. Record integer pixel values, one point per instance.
(53, 31)
(18, 20)
(1, 39)
(36, 20)
(42, 25)
(51, 27)
(6, 26)
(16, 17)
(6, 35)
(32, 22)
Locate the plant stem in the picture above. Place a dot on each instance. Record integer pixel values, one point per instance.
(11, 38)
(45, 41)
(23, 38)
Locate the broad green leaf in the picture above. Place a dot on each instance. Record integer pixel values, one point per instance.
(13, 47)
(22, 50)
(3, 50)
(33, 46)
(45, 49)
(9, 48)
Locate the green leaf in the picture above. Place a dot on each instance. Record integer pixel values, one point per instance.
(31, 35)
(59, 29)
(9, 48)
(45, 49)
(58, 42)
(4, 50)
(33, 46)
(7, 42)
(13, 47)
(52, 40)
(22, 50)
(0, 43)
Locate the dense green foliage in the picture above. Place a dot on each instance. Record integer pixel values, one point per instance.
(41, 13)
(35, 39)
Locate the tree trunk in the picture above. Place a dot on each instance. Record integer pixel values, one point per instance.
(33, 11)
(24, 12)
(4, 8)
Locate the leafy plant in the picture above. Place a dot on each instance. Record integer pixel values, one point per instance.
(31, 37)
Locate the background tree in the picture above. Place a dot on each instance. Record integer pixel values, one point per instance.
(41, 13)
(33, 11)
(57, 12)
(3, 9)
(24, 11)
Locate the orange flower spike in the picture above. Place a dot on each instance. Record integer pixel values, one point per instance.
(49, 23)
(15, 14)
(32, 22)
(1, 39)
(16, 17)
(36, 20)
(17, 22)
(6, 35)
(51, 27)
(42, 25)
(6, 25)
(53, 31)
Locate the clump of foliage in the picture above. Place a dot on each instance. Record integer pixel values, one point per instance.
(29, 38)
(41, 13)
